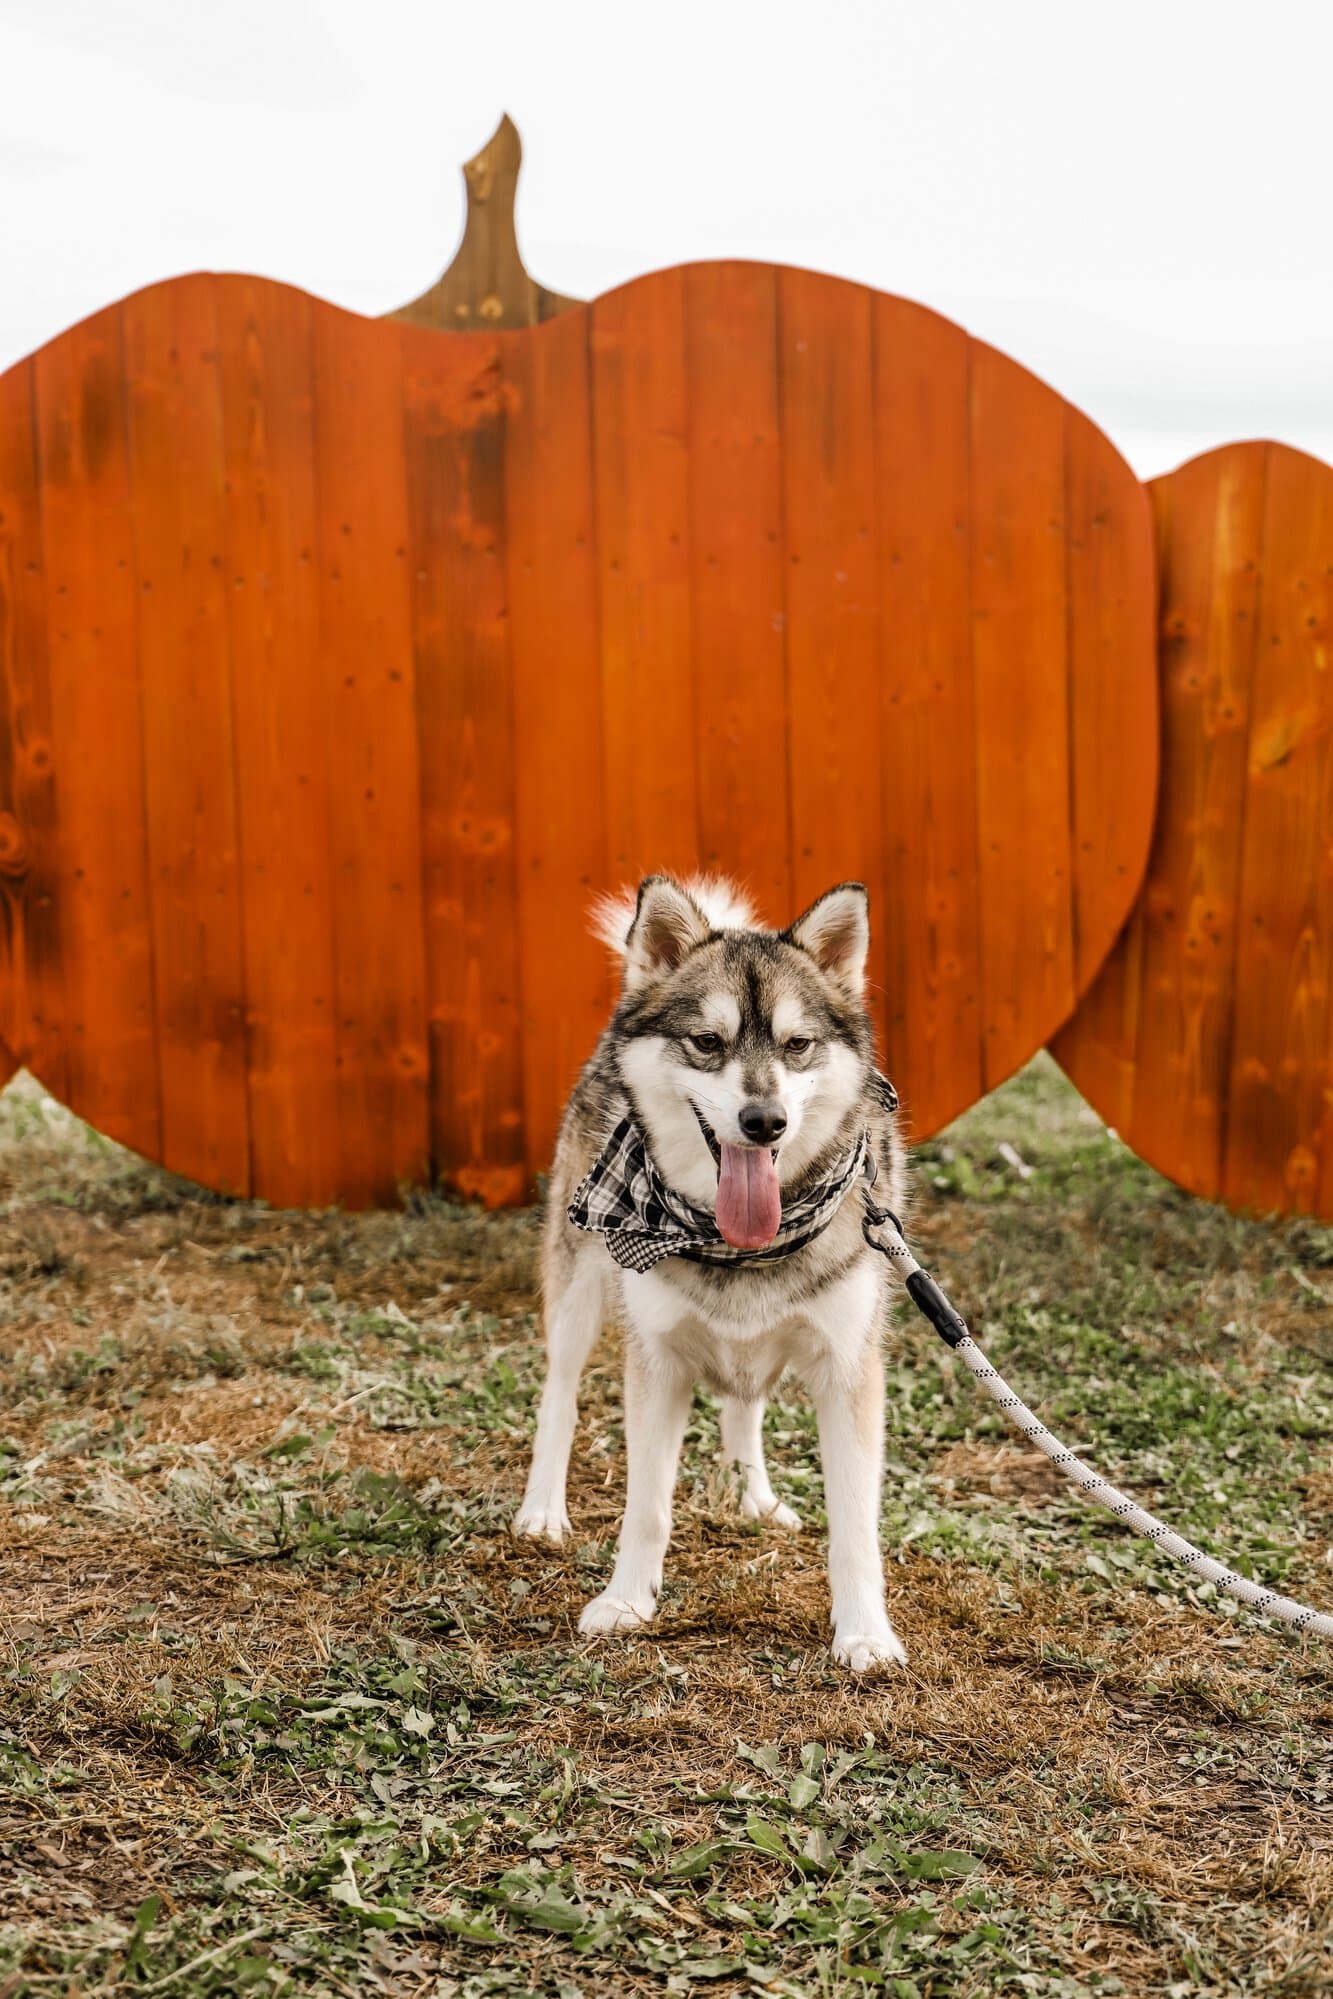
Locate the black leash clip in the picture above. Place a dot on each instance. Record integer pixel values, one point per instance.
(922, 1289)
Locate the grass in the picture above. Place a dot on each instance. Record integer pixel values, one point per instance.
(283, 1709)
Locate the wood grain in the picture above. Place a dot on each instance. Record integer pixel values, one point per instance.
(1149, 1044)
(931, 929)
(372, 653)
(832, 608)
(739, 621)
(455, 427)
(642, 532)
(1110, 585)
(487, 286)
(559, 809)
(1278, 1127)
(367, 670)
(1211, 550)
(32, 1001)
(184, 658)
(282, 764)
(1207, 1032)
(1020, 612)
(109, 1072)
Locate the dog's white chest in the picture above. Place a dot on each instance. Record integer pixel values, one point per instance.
(740, 1348)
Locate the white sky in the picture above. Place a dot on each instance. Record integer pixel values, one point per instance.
(1133, 199)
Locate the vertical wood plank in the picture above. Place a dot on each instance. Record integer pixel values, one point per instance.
(560, 820)
(1225, 964)
(1279, 1072)
(31, 974)
(737, 594)
(365, 639)
(642, 482)
(927, 727)
(830, 549)
(454, 418)
(176, 475)
(1113, 614)
(1020, 652)
(1099, 1044)
(265, 361)
(96, 729)
(1209, 606)
(1113, 721)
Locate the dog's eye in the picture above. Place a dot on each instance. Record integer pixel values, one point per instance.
(800, 1044)
(705, 1044)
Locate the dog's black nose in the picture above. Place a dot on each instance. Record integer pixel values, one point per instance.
(763, 1120)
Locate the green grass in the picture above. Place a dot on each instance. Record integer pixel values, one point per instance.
(283, 1710)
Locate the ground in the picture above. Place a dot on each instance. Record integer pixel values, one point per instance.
(284, 1709)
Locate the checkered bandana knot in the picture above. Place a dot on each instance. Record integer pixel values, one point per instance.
(626, 1199)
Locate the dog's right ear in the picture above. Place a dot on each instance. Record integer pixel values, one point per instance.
(668, 924)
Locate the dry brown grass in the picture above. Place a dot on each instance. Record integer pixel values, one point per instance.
(196, 1572)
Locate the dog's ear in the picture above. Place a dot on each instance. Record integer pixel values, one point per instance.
(835, 932)
(667, 925)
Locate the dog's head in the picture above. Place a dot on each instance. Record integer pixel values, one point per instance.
(745, 1052)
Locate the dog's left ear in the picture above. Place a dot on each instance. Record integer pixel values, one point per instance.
(835, 932)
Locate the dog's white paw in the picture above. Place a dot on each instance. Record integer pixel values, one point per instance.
(775, 1513)
(873, 1652)
(542, 1523)
(614, 1613)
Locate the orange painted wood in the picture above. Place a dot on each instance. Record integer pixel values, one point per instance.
(107, 1064)
(455, 429)
(1020, 607)
(32, 997)
(1149, 1045)
(559, 801)
(1279, 1127)
(283, 798)
(1207, 1033)
(739, 623)
(174, 410)
(642, 529)
(443, 633)
(365, 643)
(832, 619)
(1112, 712)
(930, 924)
(1209, 608)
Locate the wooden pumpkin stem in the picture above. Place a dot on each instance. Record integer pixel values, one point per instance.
(486, 285)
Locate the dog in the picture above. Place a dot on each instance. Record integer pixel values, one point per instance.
(708, 1188)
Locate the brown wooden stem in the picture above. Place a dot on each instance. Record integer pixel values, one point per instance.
(486, 285)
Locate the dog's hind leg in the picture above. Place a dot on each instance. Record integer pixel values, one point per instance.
(742, 1425)
(575, 1298)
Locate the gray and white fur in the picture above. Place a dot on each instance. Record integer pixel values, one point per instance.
(764, 1035)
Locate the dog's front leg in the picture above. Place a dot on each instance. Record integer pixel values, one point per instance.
(573, 1302)
(657, 1408)
(848, 1390)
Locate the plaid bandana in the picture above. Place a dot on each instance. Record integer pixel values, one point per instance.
(626, 1199)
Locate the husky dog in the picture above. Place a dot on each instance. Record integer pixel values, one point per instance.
(708, 1182)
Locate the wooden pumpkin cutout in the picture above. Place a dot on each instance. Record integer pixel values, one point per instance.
(1206, 1039)
(343, 661)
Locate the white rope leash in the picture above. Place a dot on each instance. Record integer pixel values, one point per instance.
(928, 1298)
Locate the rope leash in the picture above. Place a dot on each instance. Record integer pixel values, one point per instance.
(884, 1233)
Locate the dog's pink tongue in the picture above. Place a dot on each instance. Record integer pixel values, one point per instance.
(749, 1200)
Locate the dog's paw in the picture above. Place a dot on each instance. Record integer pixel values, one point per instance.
(775, 1513)
(874, 1652)
(614, 1613)
(542, 1523)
